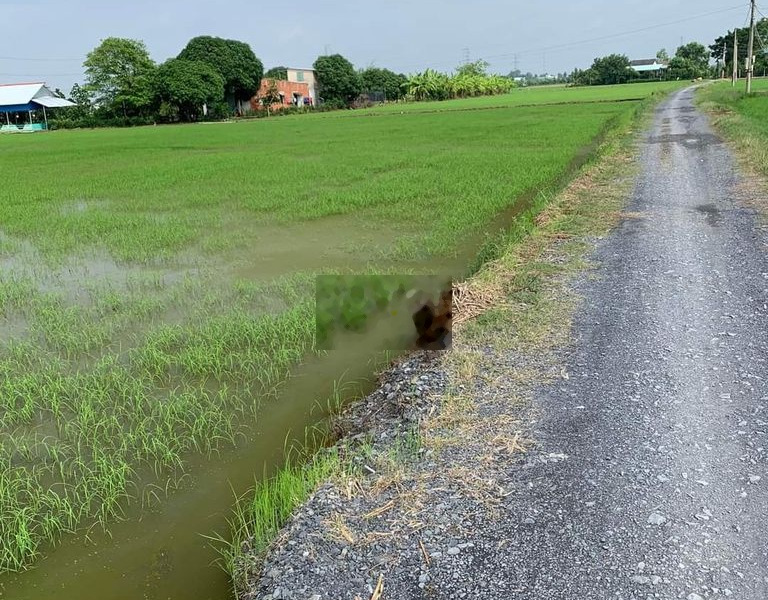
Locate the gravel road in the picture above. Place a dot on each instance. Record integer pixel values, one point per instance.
(664, 415)
(649, 477)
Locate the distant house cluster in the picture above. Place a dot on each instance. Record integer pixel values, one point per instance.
(299, 89)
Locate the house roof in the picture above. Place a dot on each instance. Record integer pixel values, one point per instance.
(643, 61)
(22, 94)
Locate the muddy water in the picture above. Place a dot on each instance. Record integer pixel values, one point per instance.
(161, 554)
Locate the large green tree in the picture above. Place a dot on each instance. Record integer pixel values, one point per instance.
(390, 83)
(696, 53)
(183, 87)
(339, 82)
(119, 73)
(610, 70)
(233, 60)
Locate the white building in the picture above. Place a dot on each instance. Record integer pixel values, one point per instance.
(648, 65)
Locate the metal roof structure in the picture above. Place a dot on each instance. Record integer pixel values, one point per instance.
(23, 97)
(647, 64)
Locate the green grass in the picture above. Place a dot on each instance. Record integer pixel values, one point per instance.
(741, 118)
(155, 192)
(157, 284)
(259, 515)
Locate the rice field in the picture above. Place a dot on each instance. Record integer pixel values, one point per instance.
(157, 284)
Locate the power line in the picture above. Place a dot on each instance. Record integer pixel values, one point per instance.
(37, 59)
(41, 74)
(615, 35)
(517, 53)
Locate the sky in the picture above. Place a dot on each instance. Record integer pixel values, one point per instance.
(47, 40)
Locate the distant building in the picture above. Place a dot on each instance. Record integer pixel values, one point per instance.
(307, 76)
(299, 90)
(21, 103)
(291, 94)
(648, 65)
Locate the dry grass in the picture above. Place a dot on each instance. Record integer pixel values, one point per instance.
(339, 530)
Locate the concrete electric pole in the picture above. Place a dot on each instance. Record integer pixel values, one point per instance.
(735, 76)
(751, 49)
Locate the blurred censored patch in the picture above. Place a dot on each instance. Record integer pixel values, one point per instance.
(393, 312)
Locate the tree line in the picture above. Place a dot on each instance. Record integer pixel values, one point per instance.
(691, 61)
(214, 78)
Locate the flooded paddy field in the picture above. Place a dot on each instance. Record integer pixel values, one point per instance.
(157, 312)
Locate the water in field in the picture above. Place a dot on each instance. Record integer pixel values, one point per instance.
(160, 551)
(162, 554)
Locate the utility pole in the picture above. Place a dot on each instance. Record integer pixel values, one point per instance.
(750, 50)
(735, 76)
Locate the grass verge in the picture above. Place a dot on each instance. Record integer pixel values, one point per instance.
(740, 119)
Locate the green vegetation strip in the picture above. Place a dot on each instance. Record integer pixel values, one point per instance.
(741, 118)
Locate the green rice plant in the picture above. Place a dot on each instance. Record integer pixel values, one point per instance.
(260, 513)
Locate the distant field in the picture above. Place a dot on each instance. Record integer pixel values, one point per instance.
(155, 191)
(540, 95)
(156, 283)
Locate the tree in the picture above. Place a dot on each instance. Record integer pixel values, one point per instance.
(373, 79)
(82, 99)
(723, 46)
(271, 96)
(119, 74)
(611, 69)
(477, 68)
(662, 55)
(583, 77)
(238, 66)
(683, 68)
(696, 53)
(280, 73)
(429, 85)
(183, 87)
(338, 81)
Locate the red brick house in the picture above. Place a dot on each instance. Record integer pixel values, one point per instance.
(291, 94)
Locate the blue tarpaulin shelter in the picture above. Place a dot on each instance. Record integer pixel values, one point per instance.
(20, 98)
